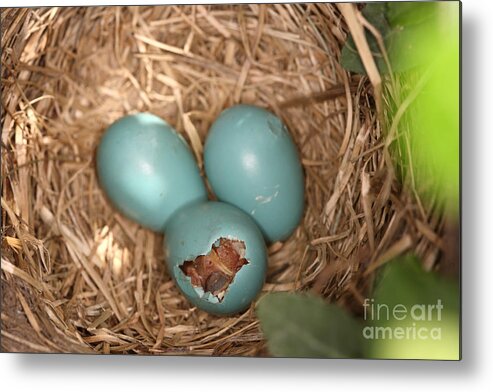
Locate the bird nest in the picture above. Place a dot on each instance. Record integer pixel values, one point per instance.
(79, 277)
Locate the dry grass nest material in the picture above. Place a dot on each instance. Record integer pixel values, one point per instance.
(77, 276)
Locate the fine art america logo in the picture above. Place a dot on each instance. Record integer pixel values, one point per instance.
(402, 322)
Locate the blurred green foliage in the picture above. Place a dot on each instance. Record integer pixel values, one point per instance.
(303, 325)
(422, 43)
(404, 28)
(435, 127)
(432, 308)
(422, 106)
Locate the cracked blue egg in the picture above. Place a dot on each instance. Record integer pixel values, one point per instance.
(147, 170)
(252, 162)
(216, 255)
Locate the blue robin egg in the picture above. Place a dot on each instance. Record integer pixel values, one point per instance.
(252, 162)
(147, 170)
(217, 256)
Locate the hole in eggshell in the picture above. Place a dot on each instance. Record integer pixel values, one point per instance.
(215, 271)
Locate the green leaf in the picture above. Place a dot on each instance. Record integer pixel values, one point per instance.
(301, 325)
(413, 314)
(350, 59)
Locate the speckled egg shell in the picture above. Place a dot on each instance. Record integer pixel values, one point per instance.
(147, 170)
(252, 162)
(193, 231)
